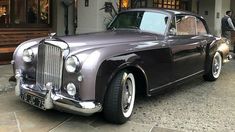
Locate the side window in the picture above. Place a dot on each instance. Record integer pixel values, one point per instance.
(201, 29)
(172, 29)
(186, 25)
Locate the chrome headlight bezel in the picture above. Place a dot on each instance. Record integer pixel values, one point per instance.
(72, 64)
(28, 55)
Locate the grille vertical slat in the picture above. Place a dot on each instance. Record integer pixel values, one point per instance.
(49, 68)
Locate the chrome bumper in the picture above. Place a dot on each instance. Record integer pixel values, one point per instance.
(227, 59)
(56, 101)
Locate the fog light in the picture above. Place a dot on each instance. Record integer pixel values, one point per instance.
(49, 86)
(80, 78)
(71, 89)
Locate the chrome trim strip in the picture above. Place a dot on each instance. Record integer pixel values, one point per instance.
(227, 59)
(168, 84)
(60, 44)
(82, 110)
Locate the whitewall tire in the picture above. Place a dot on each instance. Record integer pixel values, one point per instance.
(120, 98)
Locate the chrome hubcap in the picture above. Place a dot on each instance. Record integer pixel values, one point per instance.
(216, 67)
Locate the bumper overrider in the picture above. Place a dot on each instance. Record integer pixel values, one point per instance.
(50, 100)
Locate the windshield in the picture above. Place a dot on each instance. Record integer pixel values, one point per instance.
(153, 22)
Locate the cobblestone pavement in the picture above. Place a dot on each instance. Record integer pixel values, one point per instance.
(194, 106)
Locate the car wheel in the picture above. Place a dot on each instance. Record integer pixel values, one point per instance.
(120, 98)
(215, 68)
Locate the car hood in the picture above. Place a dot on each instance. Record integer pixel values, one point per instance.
(102, 39)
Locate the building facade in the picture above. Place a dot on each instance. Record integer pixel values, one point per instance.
(21, 20)
(92, 19)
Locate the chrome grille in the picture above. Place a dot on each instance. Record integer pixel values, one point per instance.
(49, 66)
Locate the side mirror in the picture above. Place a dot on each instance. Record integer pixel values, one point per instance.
(172, 31)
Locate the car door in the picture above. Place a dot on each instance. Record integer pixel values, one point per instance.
(187, 48)
(156, 54)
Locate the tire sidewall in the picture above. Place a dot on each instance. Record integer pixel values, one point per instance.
(113, 106)
(217, 54)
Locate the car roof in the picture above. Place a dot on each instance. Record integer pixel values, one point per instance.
(169, 11)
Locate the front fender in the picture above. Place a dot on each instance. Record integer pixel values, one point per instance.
(110, 67)
(18, 53)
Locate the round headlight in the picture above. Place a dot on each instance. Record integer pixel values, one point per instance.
(71, 89)
(28, 55)
(71, 64)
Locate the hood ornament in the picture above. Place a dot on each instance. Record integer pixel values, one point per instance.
(51, 35)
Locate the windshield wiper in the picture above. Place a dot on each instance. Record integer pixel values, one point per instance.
(129, 27)
(134, 27)
(112, 28)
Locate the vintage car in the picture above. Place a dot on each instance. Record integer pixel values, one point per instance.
(143, 50)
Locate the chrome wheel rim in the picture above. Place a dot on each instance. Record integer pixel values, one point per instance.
(128, 94)
(216, 66)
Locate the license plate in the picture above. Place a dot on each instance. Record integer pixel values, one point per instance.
(33, 100)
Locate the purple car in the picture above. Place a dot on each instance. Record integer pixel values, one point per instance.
(143, 50)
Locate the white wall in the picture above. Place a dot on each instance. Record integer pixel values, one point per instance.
(194, 6)
(221, 7)
(217, 17)
(209, 6)
(91, 18)
(87, 16)
(232, 6)
(226, 6)
(216, 10)
(58, 18)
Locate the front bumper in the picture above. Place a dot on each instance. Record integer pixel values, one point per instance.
(53, 100)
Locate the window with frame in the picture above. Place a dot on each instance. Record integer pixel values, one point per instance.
(123, 4)
(126, 4)
(169, 4)
(144, 21)
(20, 13)
(185, 25)
(201, 29)
(4, 11)
(138, 3)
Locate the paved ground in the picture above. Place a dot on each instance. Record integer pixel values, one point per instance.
(5, 74)
(195, 106)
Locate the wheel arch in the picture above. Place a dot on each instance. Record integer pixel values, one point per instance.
(218, 45)
(103, 81)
